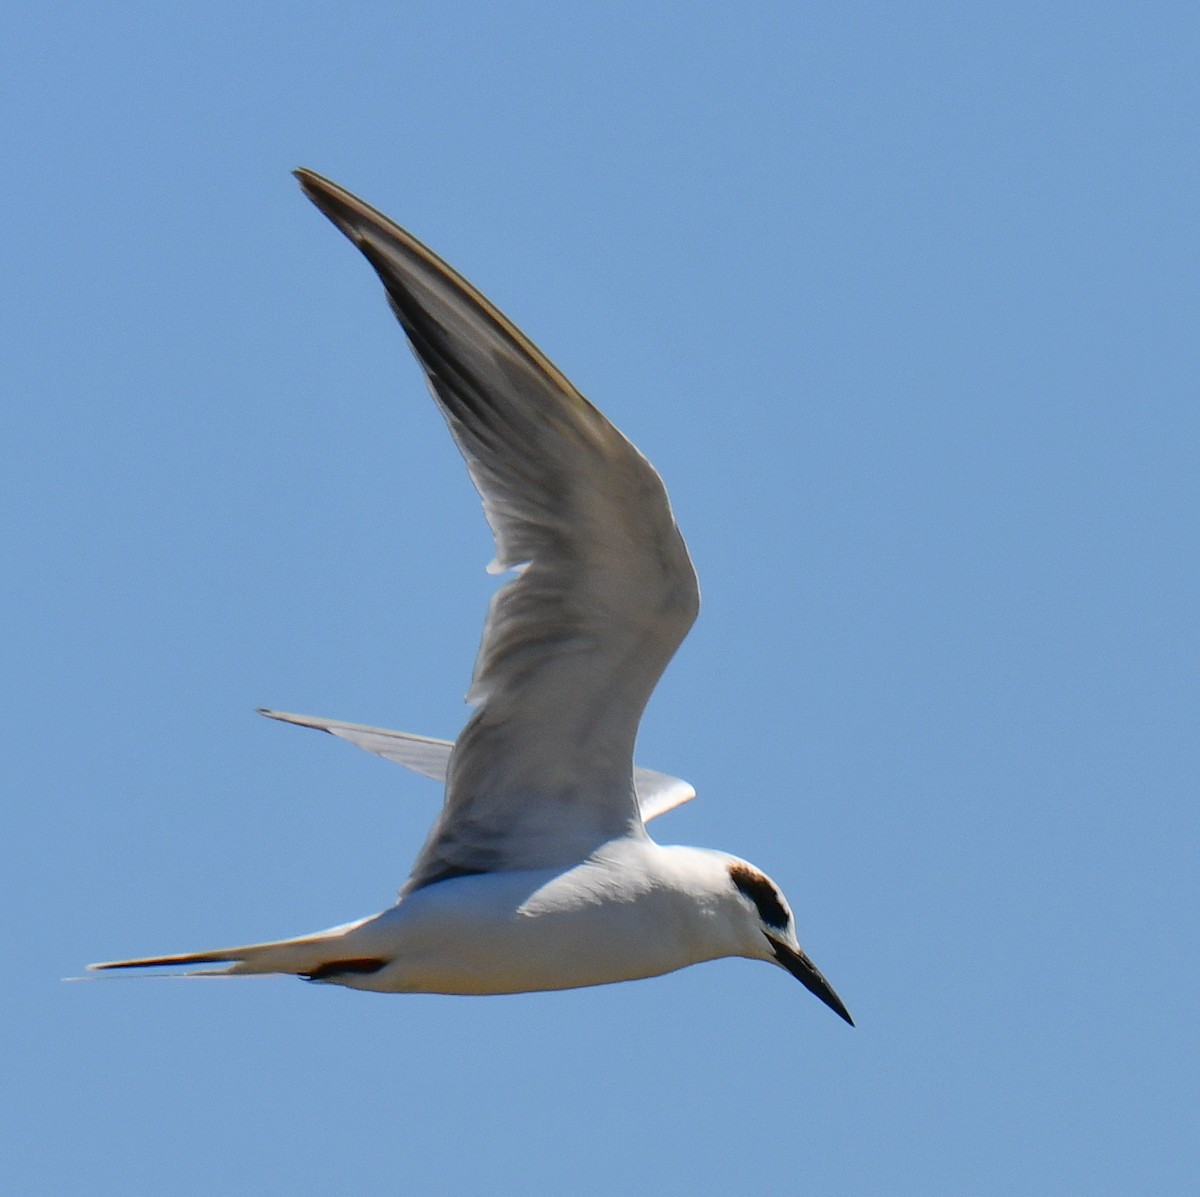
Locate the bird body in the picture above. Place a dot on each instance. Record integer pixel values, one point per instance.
(538, 873)
(632, 909)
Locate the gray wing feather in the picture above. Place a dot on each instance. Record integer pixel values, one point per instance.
(418, 753)
(657, 793)
(605, 592)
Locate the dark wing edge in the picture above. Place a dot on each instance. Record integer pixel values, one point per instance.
(606, 592)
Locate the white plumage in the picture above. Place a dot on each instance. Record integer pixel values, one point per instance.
(538, 872)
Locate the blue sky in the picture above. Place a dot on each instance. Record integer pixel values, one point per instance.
(902, 303)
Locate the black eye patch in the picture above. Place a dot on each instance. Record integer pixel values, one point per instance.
(762, 893)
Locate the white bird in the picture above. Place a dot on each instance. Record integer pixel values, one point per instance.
(538, 873)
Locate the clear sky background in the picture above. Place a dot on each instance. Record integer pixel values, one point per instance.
(902, 302)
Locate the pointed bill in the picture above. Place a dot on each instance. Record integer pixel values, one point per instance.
(807, 973)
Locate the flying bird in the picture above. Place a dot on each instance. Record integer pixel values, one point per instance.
(538, 873)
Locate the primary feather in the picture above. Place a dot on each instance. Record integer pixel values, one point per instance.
(656, 792)
(573, 646)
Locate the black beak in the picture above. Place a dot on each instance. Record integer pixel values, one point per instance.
(807, 973)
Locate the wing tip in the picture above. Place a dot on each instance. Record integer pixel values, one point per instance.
(310, 180)
(296, 720)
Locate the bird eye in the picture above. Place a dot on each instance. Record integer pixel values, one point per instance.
(762, 893)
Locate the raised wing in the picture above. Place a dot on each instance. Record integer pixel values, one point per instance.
(418, 753)
(657, 793)
(573, 647)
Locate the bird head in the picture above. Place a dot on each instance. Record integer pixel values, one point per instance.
(761, 898)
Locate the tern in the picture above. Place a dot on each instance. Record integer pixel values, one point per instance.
(538, 873)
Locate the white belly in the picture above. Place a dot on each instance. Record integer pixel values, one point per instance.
(517, 932)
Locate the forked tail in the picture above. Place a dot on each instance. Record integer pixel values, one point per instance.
(320, 957)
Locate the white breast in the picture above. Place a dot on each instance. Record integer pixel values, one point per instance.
(632, 910)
